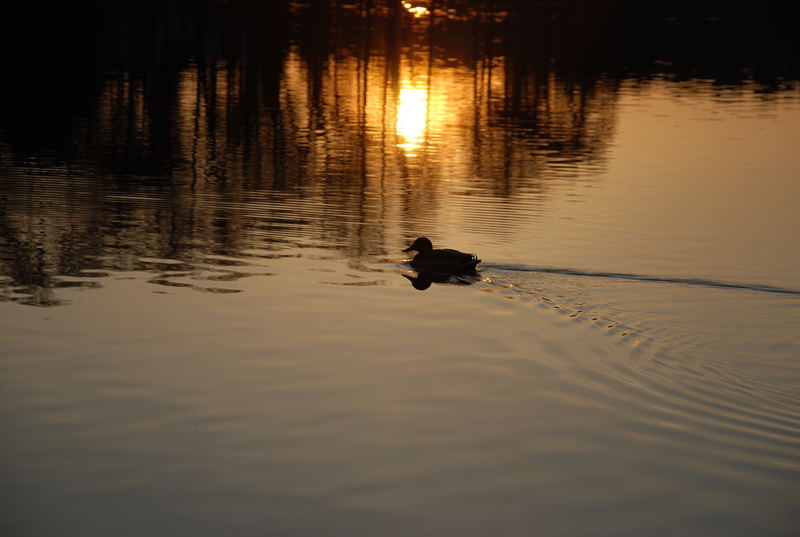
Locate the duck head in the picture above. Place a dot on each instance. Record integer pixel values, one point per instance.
(422, 244)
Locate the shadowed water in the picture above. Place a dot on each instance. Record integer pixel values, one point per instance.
(208, 324)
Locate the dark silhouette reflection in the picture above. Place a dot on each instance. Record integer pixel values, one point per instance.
(196, 128)
(423, 280)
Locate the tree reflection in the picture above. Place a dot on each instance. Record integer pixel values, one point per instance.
(190, 111)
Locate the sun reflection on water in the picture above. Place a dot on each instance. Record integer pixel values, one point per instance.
(412, 111)
(417, 11)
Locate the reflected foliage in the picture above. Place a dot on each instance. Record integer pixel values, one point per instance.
(176, 130)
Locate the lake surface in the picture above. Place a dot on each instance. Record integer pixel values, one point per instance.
(209, 327)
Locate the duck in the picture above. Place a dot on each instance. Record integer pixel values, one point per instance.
(441, 261)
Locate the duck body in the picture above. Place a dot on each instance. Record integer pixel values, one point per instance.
(440, 261)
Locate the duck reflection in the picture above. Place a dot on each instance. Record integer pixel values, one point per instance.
(423, 280)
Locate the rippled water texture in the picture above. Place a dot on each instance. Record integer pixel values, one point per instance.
(209, 327)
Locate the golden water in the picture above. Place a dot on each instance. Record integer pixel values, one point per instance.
(206, 326)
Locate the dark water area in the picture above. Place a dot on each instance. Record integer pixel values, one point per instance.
(208, 324)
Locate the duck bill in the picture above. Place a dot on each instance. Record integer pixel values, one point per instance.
(409, 249)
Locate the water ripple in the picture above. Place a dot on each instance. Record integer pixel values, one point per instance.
(647, 278)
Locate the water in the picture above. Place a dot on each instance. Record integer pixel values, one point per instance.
(208, 325)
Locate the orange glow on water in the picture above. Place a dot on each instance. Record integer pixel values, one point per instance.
(417, 11)
(412, 111)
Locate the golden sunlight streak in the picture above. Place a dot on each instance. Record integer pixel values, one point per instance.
(412, 111)
(417, 11)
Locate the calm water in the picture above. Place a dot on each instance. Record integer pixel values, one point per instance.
(208, 326)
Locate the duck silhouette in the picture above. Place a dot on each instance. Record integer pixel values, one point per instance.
(440, 261)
